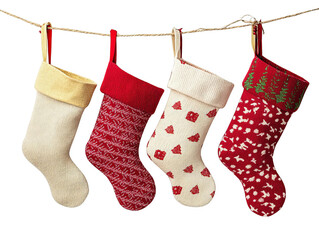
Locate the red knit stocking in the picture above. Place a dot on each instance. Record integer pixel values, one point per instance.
(271, 95)
(113, 146)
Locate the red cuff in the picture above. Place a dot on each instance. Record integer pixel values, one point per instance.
(130, 90)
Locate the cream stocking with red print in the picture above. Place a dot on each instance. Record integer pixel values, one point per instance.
(175, 146)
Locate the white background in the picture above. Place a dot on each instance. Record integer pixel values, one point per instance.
(27, 210)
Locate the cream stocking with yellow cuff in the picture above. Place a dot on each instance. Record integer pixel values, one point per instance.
(61, 99)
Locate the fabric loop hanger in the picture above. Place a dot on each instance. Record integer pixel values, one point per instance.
(177, 42)
(46, 41)
(257, 32)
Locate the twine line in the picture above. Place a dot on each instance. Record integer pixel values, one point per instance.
(245, 23)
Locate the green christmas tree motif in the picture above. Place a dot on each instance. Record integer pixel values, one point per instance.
(249, 81)
(291, 103)
(281, 97)
(273, 87)
(260, 87)
(267, 96)
(297, 104)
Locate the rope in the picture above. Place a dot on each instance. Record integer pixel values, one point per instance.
(229, 26)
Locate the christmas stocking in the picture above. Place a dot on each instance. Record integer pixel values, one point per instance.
(175, 146)
(271, 94)
(61, 99)
(113, 146)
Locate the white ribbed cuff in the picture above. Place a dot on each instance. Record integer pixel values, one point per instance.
(199, 84)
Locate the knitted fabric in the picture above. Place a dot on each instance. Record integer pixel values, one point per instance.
(175, 146)
(113, 146)
(271, 94)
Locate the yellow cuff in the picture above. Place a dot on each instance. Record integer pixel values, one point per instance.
(64, 86)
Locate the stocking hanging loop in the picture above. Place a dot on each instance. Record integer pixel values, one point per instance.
(46, 41)
(113, 35)
(177, 42)
(256, 37)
